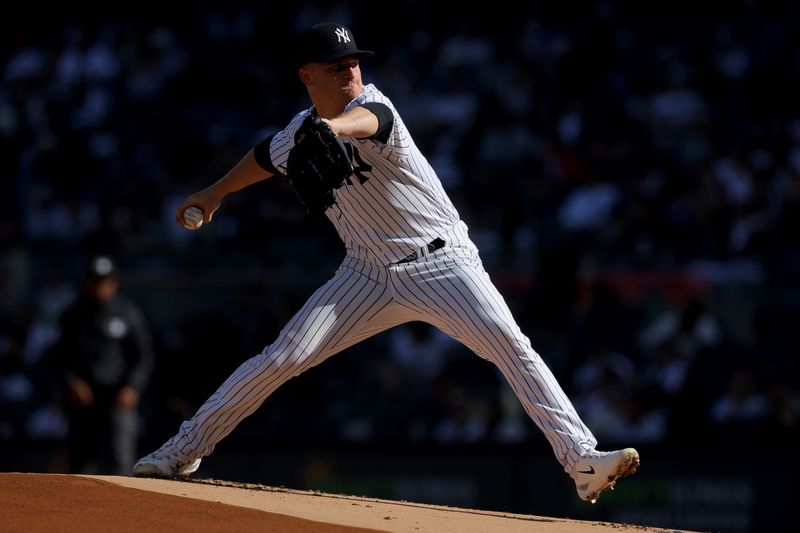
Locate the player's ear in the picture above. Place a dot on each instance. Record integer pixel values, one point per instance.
(304, 74)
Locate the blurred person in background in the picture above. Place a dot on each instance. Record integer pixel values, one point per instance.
(103, 359)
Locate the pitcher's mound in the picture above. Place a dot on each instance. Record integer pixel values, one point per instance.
(38, 503)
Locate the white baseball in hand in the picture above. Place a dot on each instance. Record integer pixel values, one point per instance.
(192, 217)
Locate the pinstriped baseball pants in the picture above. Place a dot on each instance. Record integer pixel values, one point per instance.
(448, 289)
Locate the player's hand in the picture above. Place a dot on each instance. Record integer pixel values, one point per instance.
(208, 200)
(330, 125)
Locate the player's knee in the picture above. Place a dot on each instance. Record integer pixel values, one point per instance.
(292, 359)
(508, 340)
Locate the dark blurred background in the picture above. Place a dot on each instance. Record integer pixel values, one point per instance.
(631, 177)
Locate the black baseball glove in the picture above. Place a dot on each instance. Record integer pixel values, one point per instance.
(317, 165)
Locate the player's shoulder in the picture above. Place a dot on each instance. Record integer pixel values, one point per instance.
(298, 119)
(287, 133)
(283, 141)
(371, 94)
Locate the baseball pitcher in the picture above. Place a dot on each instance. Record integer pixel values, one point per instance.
(408, 257)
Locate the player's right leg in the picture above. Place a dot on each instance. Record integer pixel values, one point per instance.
(350, 307)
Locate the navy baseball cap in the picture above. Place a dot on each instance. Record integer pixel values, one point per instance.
(327, 42)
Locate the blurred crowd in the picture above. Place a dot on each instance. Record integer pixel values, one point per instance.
(630, 180)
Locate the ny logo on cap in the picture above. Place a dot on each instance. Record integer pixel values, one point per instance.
(341, 35)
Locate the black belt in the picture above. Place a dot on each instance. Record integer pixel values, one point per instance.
(429, 248)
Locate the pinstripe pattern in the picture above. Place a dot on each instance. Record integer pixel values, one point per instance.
(382, 218)
(402, 206)
(448, 289)
(350, 307)
(457, 296)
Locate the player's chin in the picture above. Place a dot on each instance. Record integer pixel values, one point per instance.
(352, 89)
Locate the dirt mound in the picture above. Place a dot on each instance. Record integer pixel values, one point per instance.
(35, 503)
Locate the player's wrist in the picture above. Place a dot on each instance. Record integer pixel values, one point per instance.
(216, 192)
(332, 125)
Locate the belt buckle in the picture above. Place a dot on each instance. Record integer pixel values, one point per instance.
(429, 248)
(435, 244)
(407, 259)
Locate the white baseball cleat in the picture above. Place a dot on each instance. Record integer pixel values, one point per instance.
(166, 462)
(596, 472)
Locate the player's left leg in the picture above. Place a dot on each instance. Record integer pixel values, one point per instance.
(458, 297)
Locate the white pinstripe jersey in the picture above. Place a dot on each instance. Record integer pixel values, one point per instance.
(394, 202)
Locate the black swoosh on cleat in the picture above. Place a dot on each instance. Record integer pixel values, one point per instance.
(590, 471)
